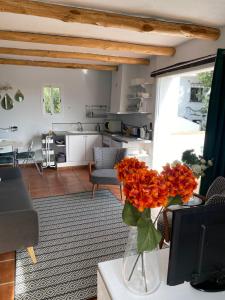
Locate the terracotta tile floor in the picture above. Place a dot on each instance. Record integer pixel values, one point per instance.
(52, 183)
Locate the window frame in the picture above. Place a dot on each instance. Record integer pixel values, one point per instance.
(52, 114)
(193, 99)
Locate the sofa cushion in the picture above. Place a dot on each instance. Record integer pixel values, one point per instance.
(10, 173)
(14, 196)
(104, 176)
(18, 219)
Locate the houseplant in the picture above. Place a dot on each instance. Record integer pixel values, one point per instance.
(145, 189)
(196, 162)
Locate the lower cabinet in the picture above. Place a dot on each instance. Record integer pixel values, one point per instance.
(75, 148)
(91, 142)
(79, 148)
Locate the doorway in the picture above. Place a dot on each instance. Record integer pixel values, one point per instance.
(181, 115)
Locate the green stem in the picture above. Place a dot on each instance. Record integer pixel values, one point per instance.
(132, 271)
(156, 219)
(143, 271)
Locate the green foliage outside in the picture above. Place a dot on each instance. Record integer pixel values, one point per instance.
(205, 78)
(47, 100)
(56, 100)
(52, 100)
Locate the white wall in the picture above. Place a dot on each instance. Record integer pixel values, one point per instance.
(77, 90)
(190, 50)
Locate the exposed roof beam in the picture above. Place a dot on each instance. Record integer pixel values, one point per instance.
(75, 55)
(107, 19)
(85, 42)
(52, 64)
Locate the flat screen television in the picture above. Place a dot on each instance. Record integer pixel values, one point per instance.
(197, 251)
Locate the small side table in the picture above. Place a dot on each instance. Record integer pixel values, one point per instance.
(112, 287)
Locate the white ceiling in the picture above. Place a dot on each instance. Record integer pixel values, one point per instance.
(205, 12)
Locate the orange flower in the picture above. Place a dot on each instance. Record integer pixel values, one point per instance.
(129, 166)
(145, 189)
(180, 181)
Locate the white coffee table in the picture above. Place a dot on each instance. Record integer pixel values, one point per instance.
(111, 285)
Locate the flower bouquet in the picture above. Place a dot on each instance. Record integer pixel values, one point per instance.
(196, 163)
(145, 189)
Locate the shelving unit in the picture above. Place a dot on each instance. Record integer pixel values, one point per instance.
(60, 149)
(139, 95)
(48, 151)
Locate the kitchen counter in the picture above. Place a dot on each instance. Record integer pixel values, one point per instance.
(126, 139)
(115, 136)
(88, 132)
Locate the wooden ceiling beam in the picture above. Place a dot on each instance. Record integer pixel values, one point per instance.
(85, 42)
(75, 55)
(107, 19)
(52, 64)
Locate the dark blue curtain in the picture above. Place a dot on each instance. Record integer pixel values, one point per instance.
(214, 146)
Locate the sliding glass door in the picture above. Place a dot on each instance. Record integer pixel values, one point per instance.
(181, 114)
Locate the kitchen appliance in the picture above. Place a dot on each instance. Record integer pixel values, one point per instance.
(143, 131)
(149, 133)
(113, 126)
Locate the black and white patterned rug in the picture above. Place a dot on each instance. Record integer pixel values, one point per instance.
(76, 232)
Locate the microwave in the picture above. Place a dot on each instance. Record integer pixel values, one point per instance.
(113, 126)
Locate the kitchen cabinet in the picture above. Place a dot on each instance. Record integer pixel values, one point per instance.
(75, 146)
(117, 144)
(91, 142)
(79, 148)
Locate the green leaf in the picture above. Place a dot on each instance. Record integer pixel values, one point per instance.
(177, 200)
(130, 214)
(148, 236)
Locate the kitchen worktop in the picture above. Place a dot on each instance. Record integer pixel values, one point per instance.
(126, 139)
(76, 132)
(115, 136)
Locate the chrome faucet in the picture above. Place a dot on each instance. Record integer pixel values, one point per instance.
(80, 127)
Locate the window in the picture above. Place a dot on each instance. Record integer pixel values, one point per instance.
(52, 100)
(196, 94)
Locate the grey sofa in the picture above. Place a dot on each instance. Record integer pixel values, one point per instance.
(18, 220)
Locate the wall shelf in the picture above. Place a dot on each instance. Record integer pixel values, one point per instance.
(96, 111)
(139, 98)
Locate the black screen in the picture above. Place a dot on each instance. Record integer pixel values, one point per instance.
(197, 251)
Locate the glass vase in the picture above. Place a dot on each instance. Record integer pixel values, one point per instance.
(140, 270)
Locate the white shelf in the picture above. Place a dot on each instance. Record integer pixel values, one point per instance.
(141, 81)
(140, 98)
(130, 113)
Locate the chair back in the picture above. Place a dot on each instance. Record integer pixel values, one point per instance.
(107, 157)
(216, 200)
(216, 188)
(216, 192)
(30, 146)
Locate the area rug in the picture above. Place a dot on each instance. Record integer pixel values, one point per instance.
(76, 232)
